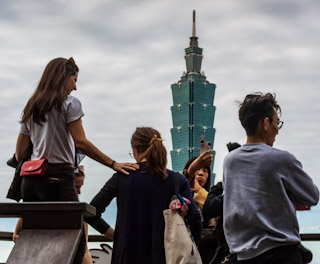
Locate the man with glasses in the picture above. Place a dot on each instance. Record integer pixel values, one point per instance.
(263, 188)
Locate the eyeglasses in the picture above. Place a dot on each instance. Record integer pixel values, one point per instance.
(280, 124)
(131, 154)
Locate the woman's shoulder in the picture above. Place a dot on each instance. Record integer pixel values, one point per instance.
(72, 108)
(172, 174)
(72, 100)
(176, 175)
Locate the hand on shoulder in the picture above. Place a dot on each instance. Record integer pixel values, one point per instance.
(125, 167)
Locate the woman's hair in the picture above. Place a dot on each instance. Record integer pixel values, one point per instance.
(51, 91)
(185, 171)
(148, 140)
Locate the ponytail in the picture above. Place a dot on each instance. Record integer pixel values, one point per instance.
(148, 140)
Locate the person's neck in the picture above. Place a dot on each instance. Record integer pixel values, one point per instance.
(255, 139)
(141, 157)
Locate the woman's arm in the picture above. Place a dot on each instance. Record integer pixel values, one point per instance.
(17, 230)
(204, 160)
(100, 202)
(87, 148)
(109, 233)
(23, 142)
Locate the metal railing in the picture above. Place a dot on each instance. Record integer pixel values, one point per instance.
(7, 236)
(304, 237)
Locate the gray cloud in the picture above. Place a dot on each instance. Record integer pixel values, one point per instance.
(129, 53)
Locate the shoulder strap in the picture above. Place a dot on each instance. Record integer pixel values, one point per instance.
(176, 180)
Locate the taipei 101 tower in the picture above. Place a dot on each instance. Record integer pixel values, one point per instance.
(193, 110)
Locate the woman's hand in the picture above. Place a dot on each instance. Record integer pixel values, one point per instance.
(196, 187)
(15, 237)
(204, 160)
(124, 167)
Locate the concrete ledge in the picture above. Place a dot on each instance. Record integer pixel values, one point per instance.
(51, 231)
(16, 209)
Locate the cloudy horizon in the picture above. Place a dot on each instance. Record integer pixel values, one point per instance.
(129, 53)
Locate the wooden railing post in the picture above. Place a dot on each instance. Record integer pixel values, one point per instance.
(51, 231)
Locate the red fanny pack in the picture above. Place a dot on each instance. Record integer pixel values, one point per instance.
(34, 167)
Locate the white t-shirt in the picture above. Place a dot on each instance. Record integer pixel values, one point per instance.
(52, 140)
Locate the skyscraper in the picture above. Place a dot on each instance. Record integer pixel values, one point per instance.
(193, 110)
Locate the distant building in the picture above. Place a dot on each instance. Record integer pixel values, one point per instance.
(193, 110)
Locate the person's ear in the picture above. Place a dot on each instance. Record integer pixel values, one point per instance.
(136, 150)
(266, 123)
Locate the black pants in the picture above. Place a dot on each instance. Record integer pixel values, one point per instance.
(279, 255)
(56, 185)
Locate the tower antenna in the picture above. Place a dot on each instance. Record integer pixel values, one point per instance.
(194, 24)
(194, 38)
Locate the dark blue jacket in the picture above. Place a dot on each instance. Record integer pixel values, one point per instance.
(141, 199)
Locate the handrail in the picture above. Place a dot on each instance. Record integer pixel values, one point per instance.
(98, 238)
(310, 237)
(304, 237)
(7, 236)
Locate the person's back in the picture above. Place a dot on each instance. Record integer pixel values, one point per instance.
(142, 196)
(52, 139)
(263, 188)
(51, 124)
(141, 199)
(258, 211)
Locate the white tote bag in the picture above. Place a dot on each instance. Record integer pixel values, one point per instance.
(178, 243)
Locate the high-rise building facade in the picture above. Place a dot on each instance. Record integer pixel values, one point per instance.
(193, 110)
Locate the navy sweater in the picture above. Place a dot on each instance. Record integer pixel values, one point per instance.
(141, 199)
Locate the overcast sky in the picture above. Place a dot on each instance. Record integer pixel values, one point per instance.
(130, 52)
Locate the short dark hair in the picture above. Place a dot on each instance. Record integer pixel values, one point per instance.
(256, 107)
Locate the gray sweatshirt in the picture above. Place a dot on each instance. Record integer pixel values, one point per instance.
(262, 185)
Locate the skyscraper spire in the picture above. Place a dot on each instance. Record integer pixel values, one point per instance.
(193, 55)
(193, 110)
(194, 38)
(194, 24)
